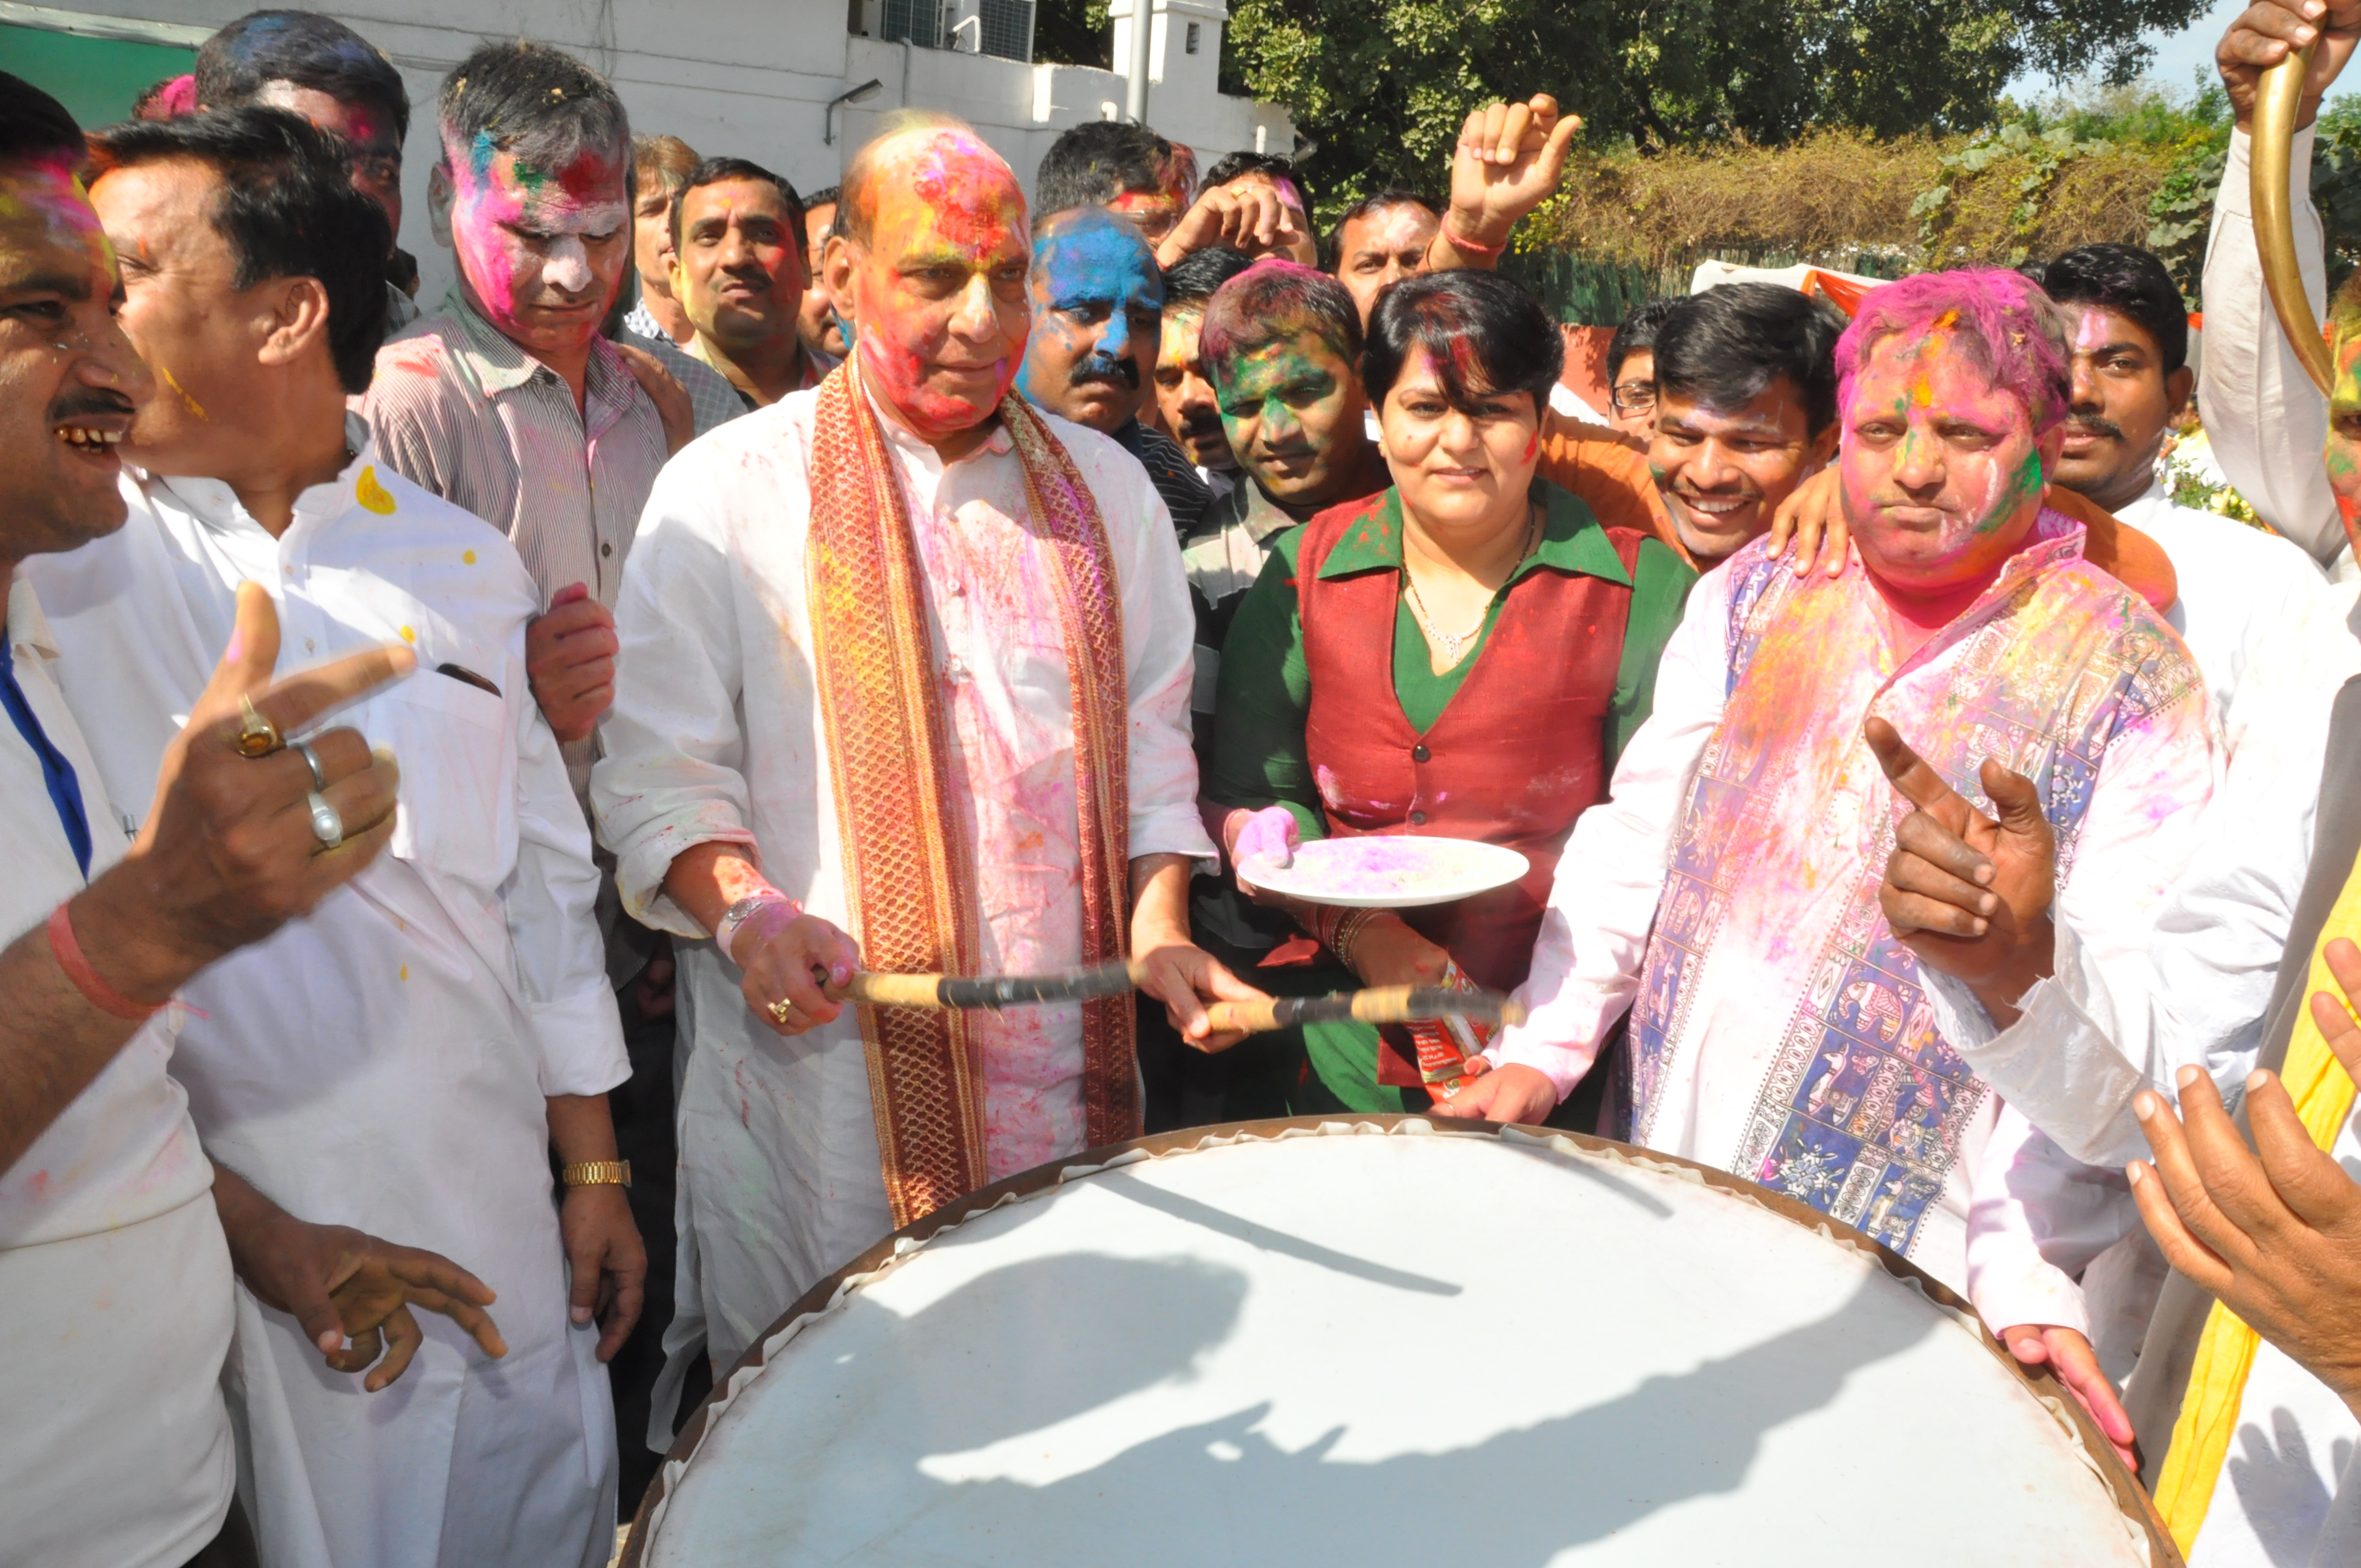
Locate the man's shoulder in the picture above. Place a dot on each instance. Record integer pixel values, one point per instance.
(419, 364)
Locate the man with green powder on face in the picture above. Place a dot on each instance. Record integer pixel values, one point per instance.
(508, 402)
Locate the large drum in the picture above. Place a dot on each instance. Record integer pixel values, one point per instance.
(1383, 1341)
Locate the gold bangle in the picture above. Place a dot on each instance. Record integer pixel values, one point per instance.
(596, 1173)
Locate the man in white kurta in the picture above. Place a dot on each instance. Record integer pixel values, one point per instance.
(2214, 990)
(718, 736)
(386, 1062)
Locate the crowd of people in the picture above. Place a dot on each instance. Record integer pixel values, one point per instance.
(727, 588)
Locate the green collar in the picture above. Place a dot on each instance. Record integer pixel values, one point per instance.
(1572, 540)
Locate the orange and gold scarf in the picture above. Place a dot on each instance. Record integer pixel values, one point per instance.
(909, 878)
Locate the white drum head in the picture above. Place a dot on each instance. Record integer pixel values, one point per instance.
(1357, 1346)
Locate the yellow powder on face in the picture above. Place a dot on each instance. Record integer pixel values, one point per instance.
(196, 410)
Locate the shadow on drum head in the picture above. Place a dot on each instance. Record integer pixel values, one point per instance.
(1095, 1330)
(1124, 1185)
(1220, 1492)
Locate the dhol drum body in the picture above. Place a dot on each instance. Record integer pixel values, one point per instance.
(1382, 1341)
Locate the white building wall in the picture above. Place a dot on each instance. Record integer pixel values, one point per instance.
(752, 78)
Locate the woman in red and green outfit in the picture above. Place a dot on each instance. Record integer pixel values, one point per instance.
(1463, 656)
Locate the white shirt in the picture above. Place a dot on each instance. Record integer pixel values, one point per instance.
(1588, 963)
(716, 733)
(2237, 585)
(384, 1062)
(2040, 1218)
(114, 1284)
(2265, 421)
(2092, 1037)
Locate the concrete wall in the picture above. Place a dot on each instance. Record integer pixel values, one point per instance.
(754, 77)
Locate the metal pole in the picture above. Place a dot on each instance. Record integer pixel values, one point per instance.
(1143, 30)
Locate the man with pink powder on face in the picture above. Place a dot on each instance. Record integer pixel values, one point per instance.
(905, 686)
(1726, 894)
(508, 402)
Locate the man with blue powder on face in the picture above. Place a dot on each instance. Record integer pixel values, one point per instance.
(1098, 315)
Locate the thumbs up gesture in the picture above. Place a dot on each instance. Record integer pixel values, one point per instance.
(1968, 893)
(232, 848)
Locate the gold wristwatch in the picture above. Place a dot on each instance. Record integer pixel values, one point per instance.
(596, 1173)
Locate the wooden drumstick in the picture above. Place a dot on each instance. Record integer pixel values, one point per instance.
(989, 994)
(1375, 1005)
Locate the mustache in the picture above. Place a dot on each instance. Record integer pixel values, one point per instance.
(83, 400)
(1098, 367)
(2091, 424)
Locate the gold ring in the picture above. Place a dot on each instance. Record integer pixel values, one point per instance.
(258, 737)
(779, 1010)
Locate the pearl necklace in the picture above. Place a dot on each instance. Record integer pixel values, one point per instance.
(1450, 644)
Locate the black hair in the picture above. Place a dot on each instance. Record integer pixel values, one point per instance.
(287, 208)
(826, 196)
(306, 48)
(2128, 280)
(1465, 322)
(1192, 279)
(540, 104)
(1332, 245)
(1231, 165)
(714, 170)
(1638, 332)
(35, 128)
(1092, 163)
(1724, 346)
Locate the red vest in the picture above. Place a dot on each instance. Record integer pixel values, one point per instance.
(1518, 753)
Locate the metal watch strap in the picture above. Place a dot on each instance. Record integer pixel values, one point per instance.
(597, 1173)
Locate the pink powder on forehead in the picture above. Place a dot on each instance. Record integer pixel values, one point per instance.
(2000, 319)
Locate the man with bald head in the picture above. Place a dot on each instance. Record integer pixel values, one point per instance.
(1098, 317)
(904, 687)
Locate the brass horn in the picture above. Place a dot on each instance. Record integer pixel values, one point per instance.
(2276, 97)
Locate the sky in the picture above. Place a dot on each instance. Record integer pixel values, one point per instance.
(2177, 55)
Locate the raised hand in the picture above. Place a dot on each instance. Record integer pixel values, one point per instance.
(2263, 35)
(2069, 1355)
(569, 658)
(2273, 1233)
(228, 852)
(1968, 894)
(1245, 216)
(1813, 519)
(1508, 161)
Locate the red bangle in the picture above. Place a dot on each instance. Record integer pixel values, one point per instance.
(95, 991)
(1469, 246)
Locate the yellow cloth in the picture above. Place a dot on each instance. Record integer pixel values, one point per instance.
(2323, 1093)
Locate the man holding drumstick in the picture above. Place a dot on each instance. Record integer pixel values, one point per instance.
(1727, 893)
(873, 678)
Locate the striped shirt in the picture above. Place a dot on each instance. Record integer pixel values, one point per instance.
(1186, 497)
(460, 410)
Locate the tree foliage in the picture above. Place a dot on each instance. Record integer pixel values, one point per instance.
(1381, 85)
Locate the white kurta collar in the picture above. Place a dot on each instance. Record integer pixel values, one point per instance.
(215, 505)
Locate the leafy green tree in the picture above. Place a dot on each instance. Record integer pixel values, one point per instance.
(1381, 85)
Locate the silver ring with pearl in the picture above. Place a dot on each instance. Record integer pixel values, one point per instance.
(326, 825)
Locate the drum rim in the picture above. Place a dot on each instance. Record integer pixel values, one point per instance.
(2130, 1496)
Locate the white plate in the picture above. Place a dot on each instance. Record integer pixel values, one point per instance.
(1389, 870)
